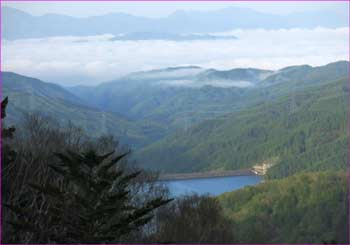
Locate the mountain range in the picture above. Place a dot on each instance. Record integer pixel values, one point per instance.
(178, 97)
(17, 24)
(182, 96)
(169, 36)
(188, 119)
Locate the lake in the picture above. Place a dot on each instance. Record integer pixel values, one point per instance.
(211, 186)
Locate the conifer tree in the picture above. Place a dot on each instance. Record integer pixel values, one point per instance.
(91, 205)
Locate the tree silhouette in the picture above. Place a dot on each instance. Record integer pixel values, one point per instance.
(91, 205)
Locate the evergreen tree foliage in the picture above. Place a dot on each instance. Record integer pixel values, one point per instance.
(92, 204)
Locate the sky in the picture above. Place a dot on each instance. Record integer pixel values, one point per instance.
(91, 60)
(161, 9)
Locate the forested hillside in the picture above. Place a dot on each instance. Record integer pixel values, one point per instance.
(186, 95)
(304, 208)
(305, 130)
(178, 97)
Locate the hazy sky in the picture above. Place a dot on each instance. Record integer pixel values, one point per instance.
(158, 9)
(94, 59)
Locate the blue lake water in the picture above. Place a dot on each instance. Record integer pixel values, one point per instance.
(211, 186)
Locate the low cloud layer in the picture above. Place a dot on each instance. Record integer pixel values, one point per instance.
(199, 84)
(91, 60)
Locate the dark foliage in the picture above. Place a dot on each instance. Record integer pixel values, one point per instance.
(193, 219)
(6, 134)
(94, 206)
(44, 202)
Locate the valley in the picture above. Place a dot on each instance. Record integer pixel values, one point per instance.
(190, 119)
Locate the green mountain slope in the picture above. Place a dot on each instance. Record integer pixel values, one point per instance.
(305, 130)
(332, 71)
(304, 209)
(178, 97)
(29, 95)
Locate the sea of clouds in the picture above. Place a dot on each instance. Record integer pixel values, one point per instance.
(91, 60)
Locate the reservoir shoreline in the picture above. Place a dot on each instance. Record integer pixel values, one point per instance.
(205, 175)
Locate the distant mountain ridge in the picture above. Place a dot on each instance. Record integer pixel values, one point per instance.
(334, 70)
(17, 24)
(175, 96)
(238, 74)
(169, 36)
(24, 84)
